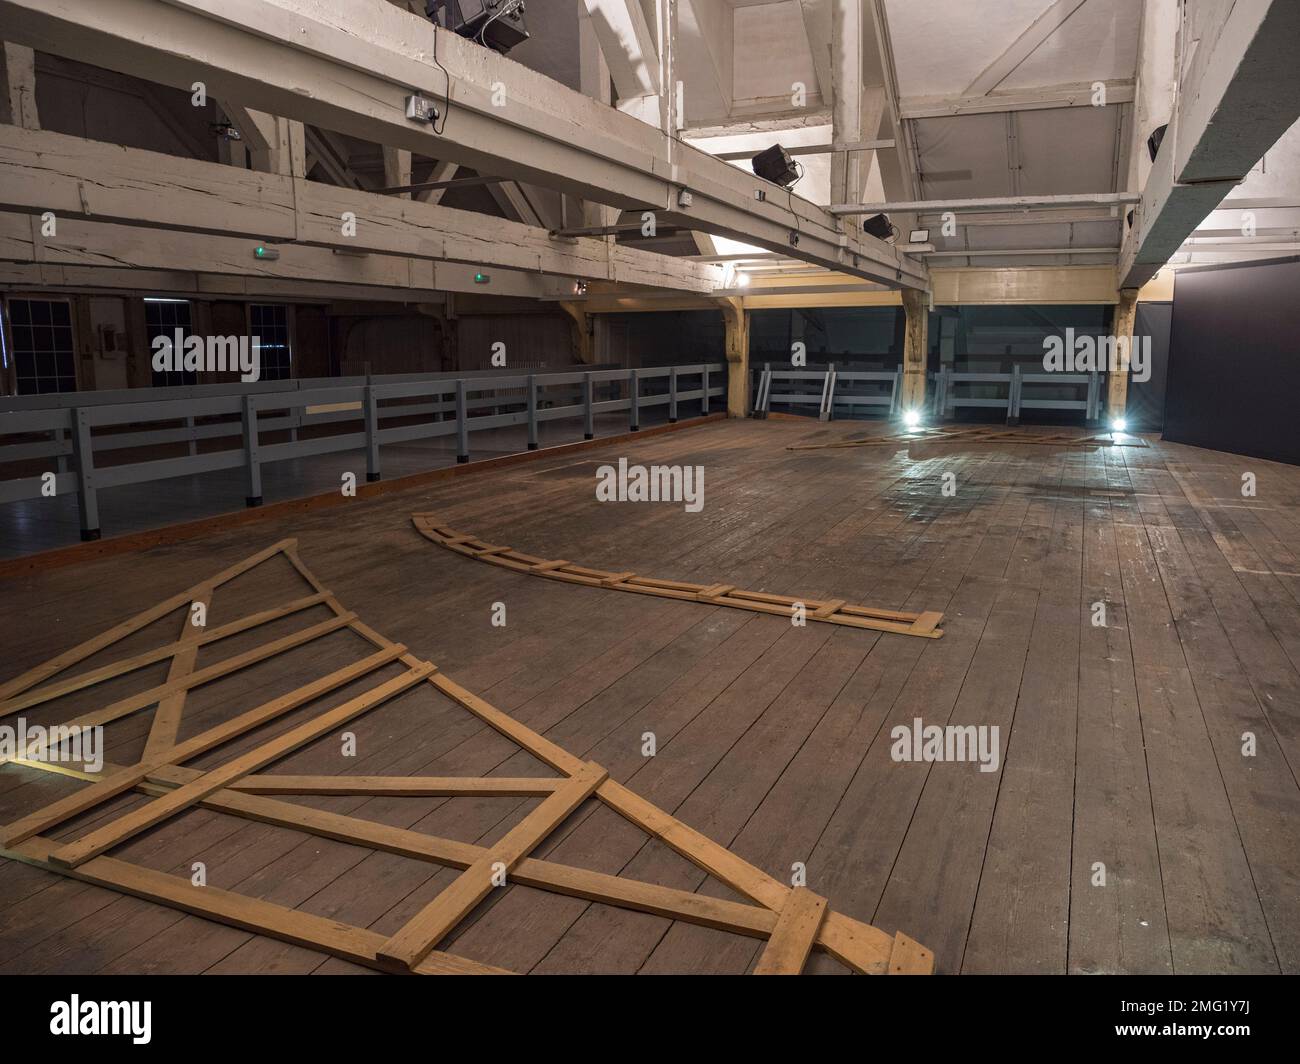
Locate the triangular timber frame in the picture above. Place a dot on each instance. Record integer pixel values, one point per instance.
(792, 921)
(829, 611)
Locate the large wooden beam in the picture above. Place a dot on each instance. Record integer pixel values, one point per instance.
(915, 348)
(18, 86)
(736, 320)
(364, 59)
(1239, 92)
(77, 178)
(1117, 379)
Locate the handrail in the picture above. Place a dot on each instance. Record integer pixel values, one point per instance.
(461, 404)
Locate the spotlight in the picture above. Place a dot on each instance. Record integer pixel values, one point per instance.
(1118, 424)
(1154, 141)
(742, 280)
(496, 24)
(912, 419)
(879, 226)
(918, 236)
(774, 164)
(579, 287)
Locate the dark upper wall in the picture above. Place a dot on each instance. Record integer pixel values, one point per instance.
(1234, 360)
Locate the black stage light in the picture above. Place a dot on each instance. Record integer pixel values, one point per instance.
(775, 165)
(878, 225)
(1153, 141)
(498, 24)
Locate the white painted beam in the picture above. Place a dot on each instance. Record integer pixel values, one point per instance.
(628, 45)
(994, 203)
(1239, 92)
(18, 87)
(1157, 83)
(1048, 97)
(77, 178)
(1022, 47)
(265, 51)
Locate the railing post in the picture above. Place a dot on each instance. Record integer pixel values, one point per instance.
(252, 462)
(532, 411)
(588, 416)
(61, 462)
(672, 396)
(704, 387)
(193, 443)
(1094, 393)
(1013, 397)
(462, 423)
(370, 408)
(83, 454)
(633, 400)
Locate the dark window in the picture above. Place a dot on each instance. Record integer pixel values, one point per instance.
(269, 323)
(162, 318)
(44, 355)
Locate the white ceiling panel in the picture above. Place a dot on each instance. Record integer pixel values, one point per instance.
(1068, 150)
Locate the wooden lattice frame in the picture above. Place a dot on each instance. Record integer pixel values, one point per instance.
(829, 611)
(793, 921)
(977, 434)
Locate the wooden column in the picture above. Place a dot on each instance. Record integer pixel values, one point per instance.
(916, 304)
(736, 319)
(583, 346)
(1117, 381)
(18, 86)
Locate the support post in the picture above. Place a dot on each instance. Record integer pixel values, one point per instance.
(737, 322)
(1013, 397)
(916, 306)
(1117, 384)
(588, 417)
(634, 401)
(83, 453)
(370, 407)
(704, 389)
(672, 396)
(532, 411)
(251, 451)
(583, 341)
(462, 424)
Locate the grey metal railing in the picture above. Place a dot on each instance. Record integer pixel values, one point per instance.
(429, 406)
(832, 386)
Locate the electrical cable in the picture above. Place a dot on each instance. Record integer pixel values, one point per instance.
(446, 99)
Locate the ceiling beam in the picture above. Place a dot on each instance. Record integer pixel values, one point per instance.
(264, 53)
(1239, 92)
(128, 250)
(75, 178)
(1022, 47)
(996, 203)
(1119, 90)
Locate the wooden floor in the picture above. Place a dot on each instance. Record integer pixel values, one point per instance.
(1121, 746)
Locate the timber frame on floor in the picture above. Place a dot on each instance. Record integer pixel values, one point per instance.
(831, 611)
(793, 921)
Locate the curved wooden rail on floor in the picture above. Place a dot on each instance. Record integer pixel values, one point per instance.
(792, 922)
(830, 611)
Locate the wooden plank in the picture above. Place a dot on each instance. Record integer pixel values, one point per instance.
(137, 820)
(140, 620)
(864, 948)
(135, 703)
(796, 930)
(910, 957)
(149, 657)
(718, 913)
(432, 924)
(249, 914)
(125, 778)
(896, 621)
(409, 786)
(167, 715)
